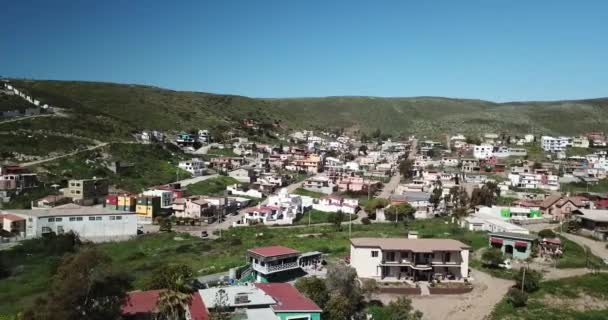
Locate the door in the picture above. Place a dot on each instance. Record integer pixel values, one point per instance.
(509, 250)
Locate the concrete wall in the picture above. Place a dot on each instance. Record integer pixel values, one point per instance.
(361, 259)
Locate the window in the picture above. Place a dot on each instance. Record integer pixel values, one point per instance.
(97, 218)
(59, 229)
(447, 257)
(118, 217)
(112, 218)
(72, 218)
(91, 218)
(78, 218)
(58, 219)
(77, 191)
(51, 219)
(374, 254)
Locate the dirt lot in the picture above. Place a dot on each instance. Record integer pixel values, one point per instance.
(476, 305)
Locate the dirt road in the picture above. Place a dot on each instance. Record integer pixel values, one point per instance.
(475, 305)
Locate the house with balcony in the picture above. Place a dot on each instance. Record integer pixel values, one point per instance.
(273, 263)
(319, 184)
(394, 259)
(335, 203)
(195, 166)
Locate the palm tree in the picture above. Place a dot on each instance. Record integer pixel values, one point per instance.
(174, 302)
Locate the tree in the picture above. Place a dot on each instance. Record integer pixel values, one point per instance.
(337, 220)
(400, 212)
(492, 257)
(546, 233)
(517, 298)
(406, 168)
(363, 149)
(84, 287)
(402, 309)
(435, 198)
(369, 287)
(338, 308)
(314, 288)
(221, 310)
(174, 301)
(537, 165)
(486, 195)
(376, 203)
(530, 279)
(342, 282)
(165, 224)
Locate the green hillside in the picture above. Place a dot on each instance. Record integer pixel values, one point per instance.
(114, 111)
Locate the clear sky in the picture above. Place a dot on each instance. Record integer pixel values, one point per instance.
(498, 50)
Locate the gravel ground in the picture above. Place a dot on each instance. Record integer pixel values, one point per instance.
(476, 305)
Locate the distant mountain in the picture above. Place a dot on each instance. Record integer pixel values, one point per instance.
(113, 111)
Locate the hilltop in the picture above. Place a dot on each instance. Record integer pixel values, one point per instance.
(108, 111)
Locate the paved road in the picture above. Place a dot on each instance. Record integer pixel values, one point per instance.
(389, 188)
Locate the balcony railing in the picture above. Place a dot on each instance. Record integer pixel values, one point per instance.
(275, 268)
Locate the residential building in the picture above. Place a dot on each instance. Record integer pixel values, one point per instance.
(87, 191)
(580, 142)
(560, 207)
(311, 164)
(334, 203)
(555, 144)
(195, 166)
(268, 263)
(90, 223)
(166, 197)
(483, 151)
(418, 259)
(143, 305)
(238, 190)
(319, 184)
(593, 222)
(243, 175)
(263, 301)
(513, 245)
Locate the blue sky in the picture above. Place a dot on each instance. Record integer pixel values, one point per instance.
(498, 50)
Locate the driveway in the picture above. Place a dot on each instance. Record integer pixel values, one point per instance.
(477, 304)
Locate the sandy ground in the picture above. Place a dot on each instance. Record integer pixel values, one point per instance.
(476, 305)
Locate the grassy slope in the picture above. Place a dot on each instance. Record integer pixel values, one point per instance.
(211, 187)
(132, 107)
(569, 288)
(145, 255)
(35, 144)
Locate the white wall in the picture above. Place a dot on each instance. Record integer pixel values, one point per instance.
(464, 266)
(93, 230)
(361, 259)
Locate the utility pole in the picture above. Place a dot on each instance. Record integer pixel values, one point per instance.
(350, 223)
(523, 279)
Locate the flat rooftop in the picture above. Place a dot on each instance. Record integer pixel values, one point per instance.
(416, 245)
(68, 210)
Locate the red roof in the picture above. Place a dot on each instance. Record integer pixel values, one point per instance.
(12, 217)
(288, 298)
(144, 302)
(273, 251)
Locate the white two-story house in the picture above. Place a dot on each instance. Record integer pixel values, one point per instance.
(393, 259)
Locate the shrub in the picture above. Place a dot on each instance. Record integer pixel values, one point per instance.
(531, 282)
(546, 233)
(365, 221)
(235, 242)
(517, 298)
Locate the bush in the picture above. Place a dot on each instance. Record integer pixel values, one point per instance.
(492, 257)
(517, 298)
(531, 282)
(235, 242)
(546, 233)
(365, 221)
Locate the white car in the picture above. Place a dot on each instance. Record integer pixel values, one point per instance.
(506, 265)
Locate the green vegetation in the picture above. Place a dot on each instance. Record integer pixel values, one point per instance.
(117, 109)
(572, 298)
(225, 152)
(575, 256)
(146, 255)
(601, 186)
(151, 165)
(316, 216)
(312, 194)
(535, 153)
(13, 102)
(573, 151)
(213, 186)
(36, 144)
